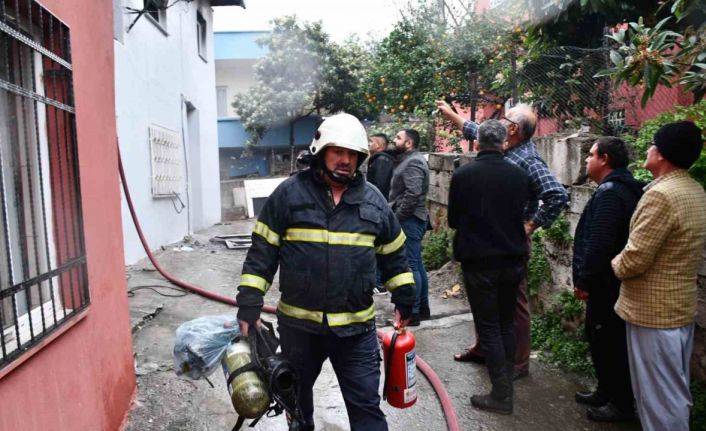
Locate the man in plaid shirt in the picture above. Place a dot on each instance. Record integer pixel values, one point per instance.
(520, 122)
(658, 269)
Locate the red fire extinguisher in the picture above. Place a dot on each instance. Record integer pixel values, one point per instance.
(400, 368)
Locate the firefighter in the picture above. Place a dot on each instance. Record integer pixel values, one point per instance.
(328, 230)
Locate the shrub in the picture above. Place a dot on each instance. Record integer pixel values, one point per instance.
(538, 271)
(558, 233)
(565, 349)
(437, 248)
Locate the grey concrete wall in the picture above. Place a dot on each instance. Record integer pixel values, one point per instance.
(441, 167)
(233, 203)
(565, 155)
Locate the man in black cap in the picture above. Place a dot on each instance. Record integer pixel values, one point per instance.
(658, 269)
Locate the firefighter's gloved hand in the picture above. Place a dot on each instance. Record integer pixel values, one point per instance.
(248, 315)
(245, 326)
(404, 310)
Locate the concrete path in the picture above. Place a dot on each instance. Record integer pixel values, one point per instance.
(543, 401)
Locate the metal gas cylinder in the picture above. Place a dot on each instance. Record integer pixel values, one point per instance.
(247, 391)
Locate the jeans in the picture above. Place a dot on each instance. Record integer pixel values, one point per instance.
(492, 294)
(356, 362)
(414, 230)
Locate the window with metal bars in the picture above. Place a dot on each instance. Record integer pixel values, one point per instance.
(43, 278)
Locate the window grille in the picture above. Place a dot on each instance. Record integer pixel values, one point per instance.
(43, 279)
(617, 118)
(166, 155)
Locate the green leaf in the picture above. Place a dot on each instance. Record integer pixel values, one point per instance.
(616, 37)
(605, 72)
(620, 35)
(661, 23)
(652, 75)
(616, 58)
(645, 97)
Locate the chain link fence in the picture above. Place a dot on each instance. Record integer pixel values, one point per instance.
(560, 84)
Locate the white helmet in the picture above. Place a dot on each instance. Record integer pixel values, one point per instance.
(341, 130)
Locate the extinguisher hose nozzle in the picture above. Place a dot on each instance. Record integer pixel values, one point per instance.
(389, 364)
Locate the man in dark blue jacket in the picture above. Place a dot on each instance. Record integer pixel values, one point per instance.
(487, 199)
(600, 235)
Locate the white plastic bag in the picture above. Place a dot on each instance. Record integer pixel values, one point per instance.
(200, 344)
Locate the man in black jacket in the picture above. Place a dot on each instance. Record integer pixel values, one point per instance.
(487, 198)
(600, 235)
(380, 167)
(380, 164)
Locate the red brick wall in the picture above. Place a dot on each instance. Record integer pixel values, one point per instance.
(84, 378)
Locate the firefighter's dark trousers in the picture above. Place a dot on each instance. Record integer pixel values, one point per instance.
(356, 362)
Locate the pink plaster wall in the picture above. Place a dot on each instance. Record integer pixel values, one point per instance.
(84, 379)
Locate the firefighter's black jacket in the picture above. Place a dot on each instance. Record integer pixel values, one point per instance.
(327, 256)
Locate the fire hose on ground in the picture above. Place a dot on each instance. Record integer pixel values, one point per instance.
(427, 371)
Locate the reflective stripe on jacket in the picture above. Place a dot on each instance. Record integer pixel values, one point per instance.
(326, 255)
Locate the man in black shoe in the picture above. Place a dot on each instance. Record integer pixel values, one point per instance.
(327, 230)
(547, 199)
(601, 234)
(487, 198)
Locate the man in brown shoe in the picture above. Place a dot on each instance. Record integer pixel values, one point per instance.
(520, 123)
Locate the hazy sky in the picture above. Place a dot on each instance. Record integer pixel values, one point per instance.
(367, 18)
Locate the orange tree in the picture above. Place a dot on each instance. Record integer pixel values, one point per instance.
(424, 59)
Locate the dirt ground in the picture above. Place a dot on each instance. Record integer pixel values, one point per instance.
(543, 401)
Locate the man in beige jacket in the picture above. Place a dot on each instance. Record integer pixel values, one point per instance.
(658, 269)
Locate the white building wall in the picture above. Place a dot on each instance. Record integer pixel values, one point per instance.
(238, 76)
(161, 79)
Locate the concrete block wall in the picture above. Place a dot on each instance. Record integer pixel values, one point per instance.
(565, 155)
(441, 167)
